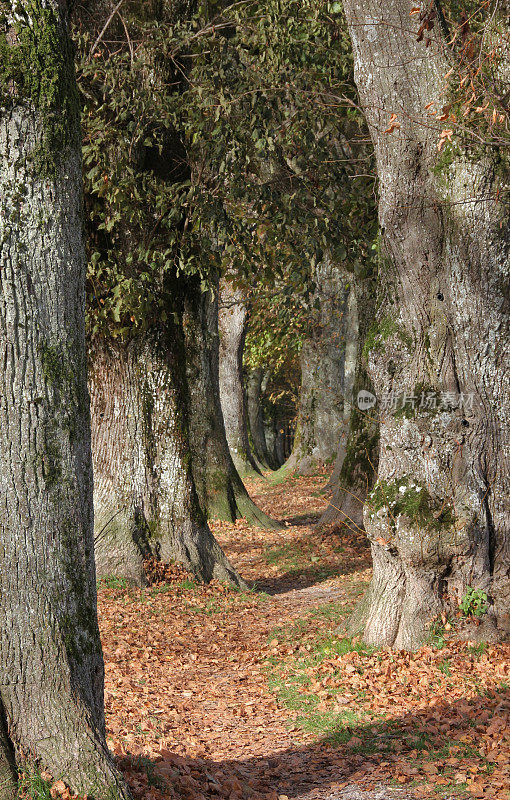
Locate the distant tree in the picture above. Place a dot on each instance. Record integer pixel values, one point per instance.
(322, 410)
(220, 489)
(233, 320)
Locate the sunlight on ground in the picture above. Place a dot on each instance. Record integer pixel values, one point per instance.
(260, 694)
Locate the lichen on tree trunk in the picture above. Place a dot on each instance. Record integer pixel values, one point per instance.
(51, 666)
(438, 516)
(145, 498)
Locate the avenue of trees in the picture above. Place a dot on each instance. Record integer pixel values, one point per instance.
(269, 208)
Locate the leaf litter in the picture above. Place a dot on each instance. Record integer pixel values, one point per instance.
(216, 693)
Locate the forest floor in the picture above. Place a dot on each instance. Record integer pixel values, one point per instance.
(226, 695)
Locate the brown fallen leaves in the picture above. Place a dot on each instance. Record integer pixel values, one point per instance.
(190, 713)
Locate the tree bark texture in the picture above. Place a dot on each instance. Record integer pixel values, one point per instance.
(145, 500)
(352, 351)
(232, 328)
(438, 516)
(355, 469)
(220, 489)
(320, 421)
(51, 666)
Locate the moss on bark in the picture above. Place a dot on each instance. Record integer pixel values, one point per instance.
(36, 67)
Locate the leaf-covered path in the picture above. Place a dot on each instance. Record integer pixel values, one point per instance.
(213, 693)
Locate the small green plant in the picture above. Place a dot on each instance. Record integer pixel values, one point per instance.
(111, 582)
(444, 667)
(32, 785)
(437, 632)
(478, 650)
(474, 603)
(188, 585)
(153, 779)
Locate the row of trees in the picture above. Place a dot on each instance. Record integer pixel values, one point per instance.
(226, 142)
(200, 157)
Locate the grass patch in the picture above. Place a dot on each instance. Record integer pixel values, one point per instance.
(111, 582)
(292, 678)
(32, 785)
(227, 603)
(327, 683)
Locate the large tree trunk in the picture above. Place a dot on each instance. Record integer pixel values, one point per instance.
(220, 489)
(438, 516)
(355, 468)
(320, 421)
(51, 666)
(232, 328)
(145, 498)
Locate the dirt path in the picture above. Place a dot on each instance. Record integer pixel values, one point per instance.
(191, 712)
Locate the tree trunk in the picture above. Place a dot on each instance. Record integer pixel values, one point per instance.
(280, 445)
(51, 666)
(270, 434)
(272, 426)
(320, 421)
(256, 419)
(232, 328)
(355, 468)
(220, 489)
(438, 516)
(145, 498)
(8, 782)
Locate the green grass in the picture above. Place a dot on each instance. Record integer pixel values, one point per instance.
(299, 557)
(297, 680)
(228, 603)
(279, 476)
(444, 667)
(478, 650)
(32, 785)
(437, 633)
(290, 555)
(292, 686)
(111, 582)
(188, 585)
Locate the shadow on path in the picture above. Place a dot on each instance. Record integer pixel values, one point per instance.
(434, 744)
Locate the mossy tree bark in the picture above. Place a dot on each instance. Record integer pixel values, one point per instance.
(320, 421)
(145, 499)
(438, 517)
(51, 666)
(220, 489)
(232, 327)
